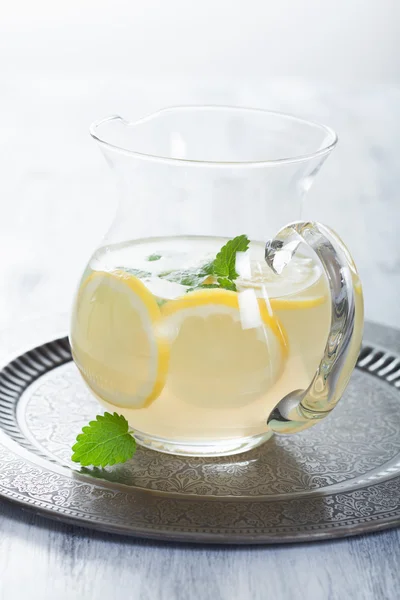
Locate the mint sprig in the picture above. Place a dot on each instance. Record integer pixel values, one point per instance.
(225, 261)
(105, 441)
(193, 277)
(223, 267)
(226, 284)
(218, 273)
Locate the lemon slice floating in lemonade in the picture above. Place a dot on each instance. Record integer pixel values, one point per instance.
(115, 342)
(226, 348)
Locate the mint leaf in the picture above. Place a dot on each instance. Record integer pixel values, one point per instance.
(188, 278)
(161, 301)
(224, 263)
(203, 287)
(154, 257)
(222, 268)
(192, 278)
(227, 284)
(208, 268)
(136, 272)
(105, 441)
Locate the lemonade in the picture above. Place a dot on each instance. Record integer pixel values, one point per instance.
(195, 363)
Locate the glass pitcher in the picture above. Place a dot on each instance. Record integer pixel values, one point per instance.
(205, 318)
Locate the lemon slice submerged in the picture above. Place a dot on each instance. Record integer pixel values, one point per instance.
(211, 347)
(226, 349)
(114, 340)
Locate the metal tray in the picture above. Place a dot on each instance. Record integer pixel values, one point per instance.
(337, 479)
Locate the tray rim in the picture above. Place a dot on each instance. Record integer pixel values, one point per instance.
(216, 538)
(194, 535)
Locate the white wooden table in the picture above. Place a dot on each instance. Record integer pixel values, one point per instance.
(56, 202)
(43, 560)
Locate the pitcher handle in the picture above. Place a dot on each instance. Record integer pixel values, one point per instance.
(303, 408)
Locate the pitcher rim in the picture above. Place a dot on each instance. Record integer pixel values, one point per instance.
(326, 149)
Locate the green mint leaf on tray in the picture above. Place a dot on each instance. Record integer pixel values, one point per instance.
(225, 261)
(154, 257)
(105, 441)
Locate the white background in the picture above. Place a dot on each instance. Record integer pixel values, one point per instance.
(63, 65)
(341, 39)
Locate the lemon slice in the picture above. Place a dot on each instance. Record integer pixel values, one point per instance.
(226, 350)
(115, 342)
